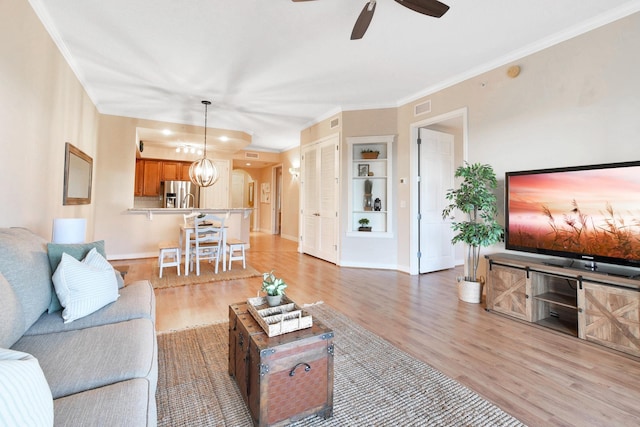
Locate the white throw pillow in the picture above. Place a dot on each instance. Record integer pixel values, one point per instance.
(25, 396)
(84, 286)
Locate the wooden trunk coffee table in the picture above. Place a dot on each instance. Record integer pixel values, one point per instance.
(283, 378)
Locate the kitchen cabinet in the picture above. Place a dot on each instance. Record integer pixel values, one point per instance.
(150, 173)
(151, 178)
(139, 181)
(170, 171)
(184, 171)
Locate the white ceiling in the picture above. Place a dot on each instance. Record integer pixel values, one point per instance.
(273, 67)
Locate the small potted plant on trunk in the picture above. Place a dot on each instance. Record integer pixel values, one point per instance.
(274, 288)
(475, 200)
(364, 224)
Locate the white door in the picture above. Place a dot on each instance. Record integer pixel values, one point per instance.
(218, 195)
(436, 170)
(319, 183)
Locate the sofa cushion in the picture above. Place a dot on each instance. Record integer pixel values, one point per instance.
(25, 397)
(79, 251)
(24, 264)
(137, 301)
(127, 403)
(11, 316)
(84, 286)
(85, 359)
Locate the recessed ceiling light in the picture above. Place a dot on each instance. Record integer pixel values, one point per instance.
(224, 138)
(166, 132)
(247, 164)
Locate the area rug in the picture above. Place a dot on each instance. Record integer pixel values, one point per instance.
(375, 383)
(171, 279)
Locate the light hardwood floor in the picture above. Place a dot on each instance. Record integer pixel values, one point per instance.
(539, 376)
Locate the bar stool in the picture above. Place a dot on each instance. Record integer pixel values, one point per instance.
(169, 256)
(236, 245)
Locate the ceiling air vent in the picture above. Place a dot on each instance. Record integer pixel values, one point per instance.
(422, 108)
(254, 156)
(334, 123)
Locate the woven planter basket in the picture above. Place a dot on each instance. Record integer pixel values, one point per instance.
(470, 291)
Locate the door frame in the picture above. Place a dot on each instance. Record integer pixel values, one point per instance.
(276, 198)
(414, 129)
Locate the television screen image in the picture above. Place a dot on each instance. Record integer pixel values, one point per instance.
(586, 212)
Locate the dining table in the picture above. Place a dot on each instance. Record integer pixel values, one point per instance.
(186, 230)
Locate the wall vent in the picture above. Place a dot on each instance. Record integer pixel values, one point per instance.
(248, 155)
(334, 123)
(422, 108)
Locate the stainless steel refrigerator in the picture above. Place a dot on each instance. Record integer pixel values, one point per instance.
(181, 194)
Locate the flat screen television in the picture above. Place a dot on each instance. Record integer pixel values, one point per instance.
(591, 213)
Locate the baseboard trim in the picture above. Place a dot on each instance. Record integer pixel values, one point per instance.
(369, 265)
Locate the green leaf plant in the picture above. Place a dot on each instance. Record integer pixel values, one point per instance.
(272, 285)
(477, 202)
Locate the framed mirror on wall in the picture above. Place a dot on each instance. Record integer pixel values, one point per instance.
(78, 172)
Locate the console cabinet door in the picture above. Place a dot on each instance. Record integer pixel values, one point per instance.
(507, 291)
(610, 316)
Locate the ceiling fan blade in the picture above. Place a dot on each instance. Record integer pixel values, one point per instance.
(426, 7)
(363, 21)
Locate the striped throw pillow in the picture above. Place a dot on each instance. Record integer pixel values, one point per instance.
(84, 286)
(25, 396)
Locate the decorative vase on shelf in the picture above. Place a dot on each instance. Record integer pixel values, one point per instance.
(368, 200)
(274, 300)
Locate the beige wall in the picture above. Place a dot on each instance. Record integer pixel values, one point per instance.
(575, 103)
(42, 106)
(126, 234)
(356, 250)
(290, 195)
(320, 130)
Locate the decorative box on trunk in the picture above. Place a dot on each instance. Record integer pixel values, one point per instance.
(282, 378)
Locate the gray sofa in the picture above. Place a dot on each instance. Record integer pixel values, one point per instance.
(101, 369)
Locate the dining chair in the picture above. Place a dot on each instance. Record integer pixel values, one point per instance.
(208, 240)
(188, 221)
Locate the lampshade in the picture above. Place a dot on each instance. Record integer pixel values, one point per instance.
(203, 172)
(69, 230)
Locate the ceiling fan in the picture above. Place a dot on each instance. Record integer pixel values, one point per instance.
(426, 7)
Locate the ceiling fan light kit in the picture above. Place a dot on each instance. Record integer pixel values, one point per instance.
(432, 8)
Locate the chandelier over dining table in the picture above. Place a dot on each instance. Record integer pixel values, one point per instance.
(203, 172)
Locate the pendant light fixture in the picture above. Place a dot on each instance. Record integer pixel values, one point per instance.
(203, 172)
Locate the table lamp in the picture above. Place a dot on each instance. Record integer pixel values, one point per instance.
(69, 230)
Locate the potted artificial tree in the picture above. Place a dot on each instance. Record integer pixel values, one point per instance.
(477, 202)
